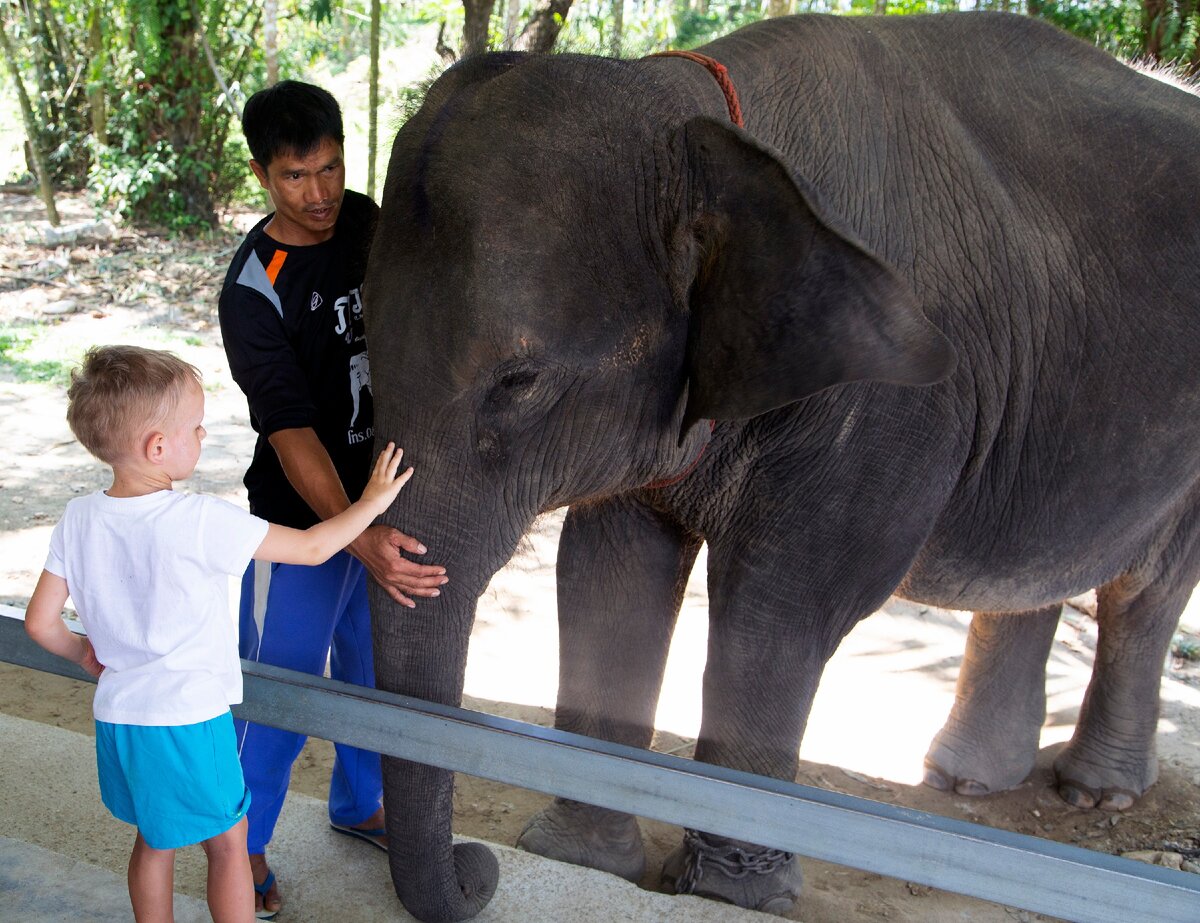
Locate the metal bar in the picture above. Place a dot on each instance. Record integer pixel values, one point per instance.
(996, 865)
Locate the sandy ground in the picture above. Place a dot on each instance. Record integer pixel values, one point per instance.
(882, 698)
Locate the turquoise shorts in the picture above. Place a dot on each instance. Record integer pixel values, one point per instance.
(177, 785)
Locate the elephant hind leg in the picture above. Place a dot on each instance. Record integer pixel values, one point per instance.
(1110, 761)
(990, 740)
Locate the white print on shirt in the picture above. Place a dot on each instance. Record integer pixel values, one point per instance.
(316, 301)
(340, 306)
(360, 378)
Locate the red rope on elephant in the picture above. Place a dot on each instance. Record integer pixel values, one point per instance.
(667, 482)
(725, 82)
(720, 72)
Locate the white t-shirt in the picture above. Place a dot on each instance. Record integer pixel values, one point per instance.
(149, 577)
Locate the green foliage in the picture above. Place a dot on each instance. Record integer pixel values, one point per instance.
(1180, 30)
(167, 160)
(15, 341)
(332, 36)
(150, 185)
(168, 150)
(908, 7)
(1114, 25)
(1120, 27)
(693, 28)
(127, 100)
(49, 36)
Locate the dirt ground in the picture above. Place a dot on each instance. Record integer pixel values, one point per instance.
(882, 698)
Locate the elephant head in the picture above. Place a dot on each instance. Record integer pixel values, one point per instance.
(578, 261)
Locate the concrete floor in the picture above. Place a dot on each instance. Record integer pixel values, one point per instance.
(62, 857)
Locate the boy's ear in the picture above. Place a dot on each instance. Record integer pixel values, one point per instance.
(153, 447)
(260, 173)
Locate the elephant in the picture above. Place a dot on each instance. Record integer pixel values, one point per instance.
(926, 323)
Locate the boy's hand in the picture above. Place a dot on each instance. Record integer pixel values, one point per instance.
(384, 485)
(89, 661)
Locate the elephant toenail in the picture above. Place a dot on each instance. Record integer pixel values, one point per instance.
(779, 905)
(1078, 796)
(936, 778)
(1117, 799)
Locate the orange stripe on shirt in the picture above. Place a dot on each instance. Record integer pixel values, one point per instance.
(276, 265)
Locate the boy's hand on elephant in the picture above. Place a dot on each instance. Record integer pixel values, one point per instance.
(379, 550)
(386, 480)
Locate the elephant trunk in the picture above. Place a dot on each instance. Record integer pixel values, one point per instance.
(422, 652)
(436, 880)
(469, 527)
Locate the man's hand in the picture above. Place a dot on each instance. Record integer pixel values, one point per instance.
(379, 550)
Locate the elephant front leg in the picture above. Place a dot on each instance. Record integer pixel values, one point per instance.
(990, 740)
(759, 681)
(622, 570)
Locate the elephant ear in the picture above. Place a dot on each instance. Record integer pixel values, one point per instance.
(783, 305)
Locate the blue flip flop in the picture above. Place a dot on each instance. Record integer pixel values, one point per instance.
(261, 891)
(367, 836)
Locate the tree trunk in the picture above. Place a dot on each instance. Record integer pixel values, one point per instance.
(779, 8)
(271, 40)
(1155, 14)
(212, 58)
(39, 162)
(512, 15)
(373, 99)
(880, 7)
(95, 85)
(541, 32)
(618, 27)
(477, 15)
(445, 52)
(182, 78)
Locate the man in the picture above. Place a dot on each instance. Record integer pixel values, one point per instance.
(291, 319)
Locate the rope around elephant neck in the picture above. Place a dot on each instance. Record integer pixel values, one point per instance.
(725, 82)
(675, 479)
(720, 72)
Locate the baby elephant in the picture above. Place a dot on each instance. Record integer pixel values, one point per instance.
(904, 305)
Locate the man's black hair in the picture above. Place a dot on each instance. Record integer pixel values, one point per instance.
(291, 117)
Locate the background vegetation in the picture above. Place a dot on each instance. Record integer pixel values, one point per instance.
(138, 100)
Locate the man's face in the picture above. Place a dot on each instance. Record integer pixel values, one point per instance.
(306, 191)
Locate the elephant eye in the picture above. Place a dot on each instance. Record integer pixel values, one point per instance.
(513, 388)
(518, 379)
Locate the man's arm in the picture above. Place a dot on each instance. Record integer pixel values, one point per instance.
(309, 469)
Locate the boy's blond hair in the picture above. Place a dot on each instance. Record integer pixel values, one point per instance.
(120, 392)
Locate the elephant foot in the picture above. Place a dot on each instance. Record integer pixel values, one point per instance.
(944, 781)
(956, 763)
(582, 834)
(1088, 783)
(735, 872)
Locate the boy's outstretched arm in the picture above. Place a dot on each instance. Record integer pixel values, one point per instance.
(43, 623)
(319, 543)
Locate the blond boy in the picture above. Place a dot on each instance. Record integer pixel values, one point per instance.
(147, 568)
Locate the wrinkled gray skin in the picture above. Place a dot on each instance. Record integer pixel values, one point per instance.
(942, 299)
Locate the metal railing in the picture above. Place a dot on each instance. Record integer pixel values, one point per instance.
(996, 865)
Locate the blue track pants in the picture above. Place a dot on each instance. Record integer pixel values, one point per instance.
(294, 616)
